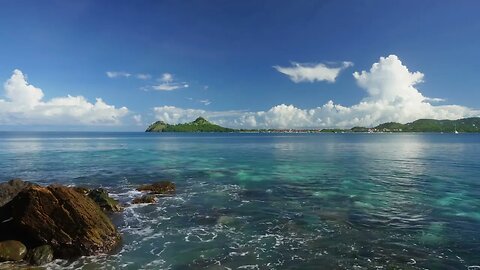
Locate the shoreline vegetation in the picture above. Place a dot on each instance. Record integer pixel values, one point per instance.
(465, 125)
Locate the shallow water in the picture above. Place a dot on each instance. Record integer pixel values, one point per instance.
(266, 201)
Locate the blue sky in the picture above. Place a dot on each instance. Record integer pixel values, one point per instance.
(221, 58)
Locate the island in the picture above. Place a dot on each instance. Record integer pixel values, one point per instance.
(465, 125)
(199, 125)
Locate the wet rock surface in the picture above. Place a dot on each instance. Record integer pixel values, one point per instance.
(101, 197)
(71, 223)
(40, 255)
(12, 250)
(145, 199)
(162, 187)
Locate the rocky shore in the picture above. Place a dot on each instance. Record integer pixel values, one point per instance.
(41, 223)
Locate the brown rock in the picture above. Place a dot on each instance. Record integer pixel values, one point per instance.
(145, 199)
(71, 223)
(162, 187)
(82, 190)
(12, 250)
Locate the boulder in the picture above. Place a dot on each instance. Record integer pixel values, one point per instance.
(71, 223)
(145, 199)
(10, 189)
(162, 187)
(40, 255)
(12, 250)
(108, 204)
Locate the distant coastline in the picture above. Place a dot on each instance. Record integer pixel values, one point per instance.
(464, 125)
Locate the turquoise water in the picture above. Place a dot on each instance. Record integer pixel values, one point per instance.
(263, 201)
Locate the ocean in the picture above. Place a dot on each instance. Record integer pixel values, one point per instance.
(271, 201)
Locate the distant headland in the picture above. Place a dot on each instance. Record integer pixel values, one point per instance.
(465, 125)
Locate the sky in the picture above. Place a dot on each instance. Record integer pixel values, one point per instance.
(121, 65)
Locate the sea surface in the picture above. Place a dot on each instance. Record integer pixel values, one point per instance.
(272, 201)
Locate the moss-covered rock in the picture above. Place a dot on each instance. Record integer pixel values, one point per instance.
(71, 223)
(40, 255)
(162, 187)
(101, 197)
(12, 250)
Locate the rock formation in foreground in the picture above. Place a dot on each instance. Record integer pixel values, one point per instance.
(61, 217)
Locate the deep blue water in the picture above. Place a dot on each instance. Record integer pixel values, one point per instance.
(266, 201)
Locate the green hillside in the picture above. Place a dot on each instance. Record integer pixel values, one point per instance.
(199, 125)
(429, 125)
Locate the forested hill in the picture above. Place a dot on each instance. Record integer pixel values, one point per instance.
(199, 125)
(430, 125)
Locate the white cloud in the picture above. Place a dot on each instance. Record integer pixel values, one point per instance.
(435, 99)
(137, 118)
(117, 74)
(143, 76)
(25, 105)
(166, 87)
(173, 115)
(205, 102)
(391, 96)
(166, 78)
(168, 83)
(120, 74)
(311, 73)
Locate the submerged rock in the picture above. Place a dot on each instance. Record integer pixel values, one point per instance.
(71, 223)
(12, 250)
(100, 196)
(40, 255)
(162, 187)
(10, 189)
(145, 199)
(226, 220)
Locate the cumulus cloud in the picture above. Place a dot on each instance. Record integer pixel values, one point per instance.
(118, 74)
(168, 83)
(173, 115)
(312, 72)
(25, 105)
(391, 96)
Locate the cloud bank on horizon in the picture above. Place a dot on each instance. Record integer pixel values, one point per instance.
(25, 106)
(391, 91)
(391, 97)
